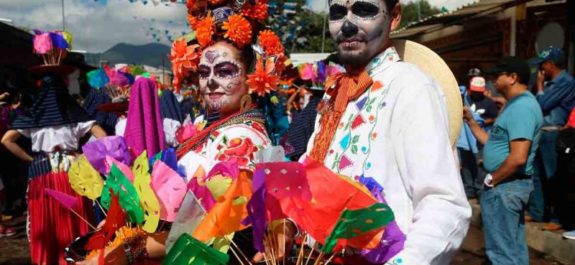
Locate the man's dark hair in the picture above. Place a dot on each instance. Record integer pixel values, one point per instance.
(390, 4)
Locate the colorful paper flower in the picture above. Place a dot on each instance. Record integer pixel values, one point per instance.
(193, 21)
(184, 59)
(258, 11)
(205, 30)
(263, 80)
(238, 30)
(270, 42)
(216, 2)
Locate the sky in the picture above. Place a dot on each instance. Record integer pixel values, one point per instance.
(98, 25)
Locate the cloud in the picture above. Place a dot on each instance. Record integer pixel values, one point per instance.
(97, 26)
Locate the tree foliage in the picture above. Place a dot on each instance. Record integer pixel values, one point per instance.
(302, 31)
(415, 10)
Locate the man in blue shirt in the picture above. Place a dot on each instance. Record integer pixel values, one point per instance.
(556, 98)
(508, 158)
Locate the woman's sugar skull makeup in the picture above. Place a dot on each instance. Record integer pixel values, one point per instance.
(222, 76)
(360, 28)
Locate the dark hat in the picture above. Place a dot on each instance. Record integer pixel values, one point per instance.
(512, 64)
(552, 54)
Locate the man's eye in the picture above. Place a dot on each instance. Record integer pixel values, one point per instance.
(364, 9)
(337, 12)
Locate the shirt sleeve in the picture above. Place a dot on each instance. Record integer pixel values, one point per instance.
(553, 96)
(427, 165)
(521, 123)
(170, 129)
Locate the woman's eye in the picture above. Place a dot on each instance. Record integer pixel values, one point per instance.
(337, 12)
(227, 70)
(203, 72)
(364, 9)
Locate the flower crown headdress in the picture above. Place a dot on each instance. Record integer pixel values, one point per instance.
(237, 21)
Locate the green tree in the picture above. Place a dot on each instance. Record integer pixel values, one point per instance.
(416, 10)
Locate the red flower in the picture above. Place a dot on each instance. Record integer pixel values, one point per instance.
(205, 30)
(193, 21)
(263, 80)
(238, 150)
(259, 11)
(238, 29)
(270, 42)
(184, 59)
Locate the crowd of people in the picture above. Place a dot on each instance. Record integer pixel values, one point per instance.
(139, 172)
(515, 150)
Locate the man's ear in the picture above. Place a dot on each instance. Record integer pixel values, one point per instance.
(395, 16)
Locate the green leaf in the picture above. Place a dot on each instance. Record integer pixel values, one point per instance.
(354, 149)
(355, 139)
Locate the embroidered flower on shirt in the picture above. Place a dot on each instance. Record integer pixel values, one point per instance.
(238, 149)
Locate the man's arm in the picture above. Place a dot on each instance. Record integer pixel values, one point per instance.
(477, 131)
(550, 98)
(427, 166)
(518, 154)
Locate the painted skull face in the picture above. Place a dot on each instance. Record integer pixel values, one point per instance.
(360, 29)
(222, 76)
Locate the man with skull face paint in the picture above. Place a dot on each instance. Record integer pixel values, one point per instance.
(385, 123)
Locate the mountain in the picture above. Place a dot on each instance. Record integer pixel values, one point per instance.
(148, 54)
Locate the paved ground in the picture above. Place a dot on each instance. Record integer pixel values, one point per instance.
(14, 251)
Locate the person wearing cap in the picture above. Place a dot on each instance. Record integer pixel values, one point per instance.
(556, 98)
(384, 120)
(484, 111)
(508, 157)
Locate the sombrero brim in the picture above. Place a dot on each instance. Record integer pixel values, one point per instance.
(53, 69)
(430, 63)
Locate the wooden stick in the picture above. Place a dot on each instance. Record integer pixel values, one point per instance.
(299, 260)
(81, 218)
(236, 255)
(284, 244)
(309, 256)
(319, 258)
(101, 208)
(241, 252)
(330, 258)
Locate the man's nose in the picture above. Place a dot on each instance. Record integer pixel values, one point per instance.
(349, 29)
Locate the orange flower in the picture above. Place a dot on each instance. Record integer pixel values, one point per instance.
(270, 42)
(205, 30)
(184, 59)
(193, 21)
(263, 80)
(190, 4)
(259, 11)
(238, 30)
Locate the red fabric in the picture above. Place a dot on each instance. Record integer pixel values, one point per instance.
(53, 227)
(571, 120)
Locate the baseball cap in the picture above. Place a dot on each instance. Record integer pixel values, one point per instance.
(512, 64)
(477, 84)
(551, 53)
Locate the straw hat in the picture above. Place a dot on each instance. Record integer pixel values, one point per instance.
(430, 63)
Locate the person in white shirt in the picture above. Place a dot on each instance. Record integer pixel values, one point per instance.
(55, 123)
(385, 123)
